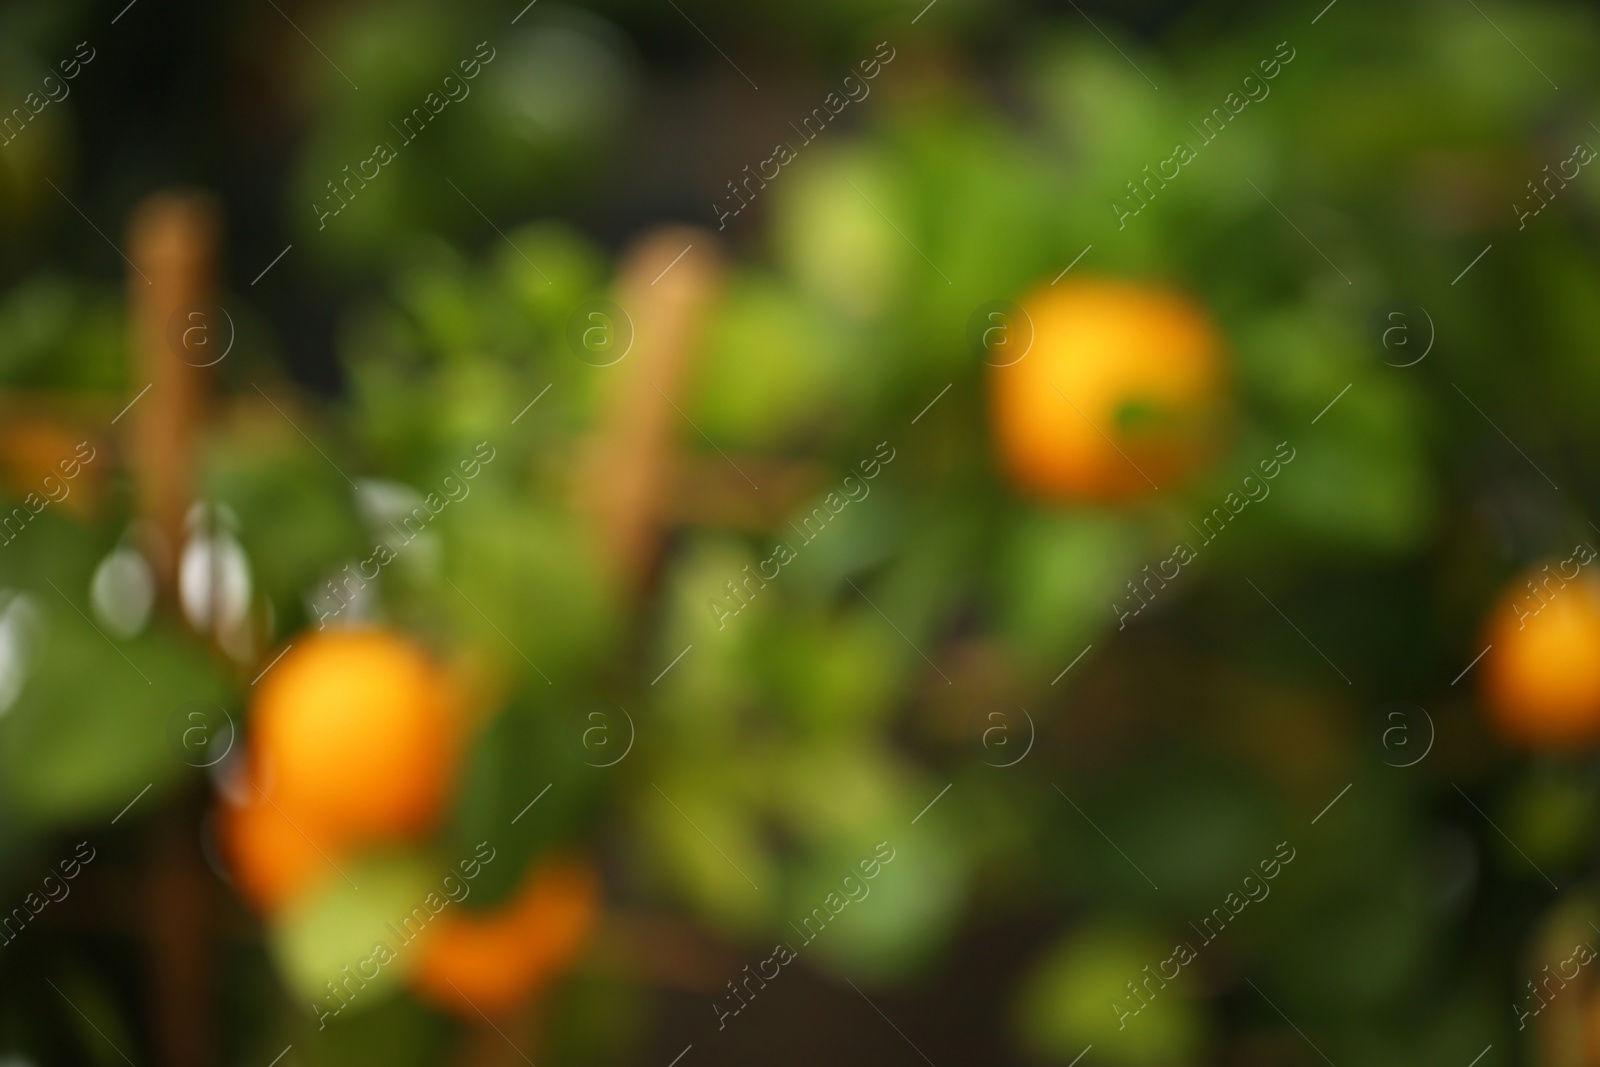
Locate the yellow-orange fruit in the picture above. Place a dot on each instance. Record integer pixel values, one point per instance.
(269, 859)
(1540, 678)
(492, 962)
(51, 460)
(354, 736)
(1119, 393)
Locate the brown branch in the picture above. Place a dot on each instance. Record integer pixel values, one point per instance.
(633, 460)
(172, 240)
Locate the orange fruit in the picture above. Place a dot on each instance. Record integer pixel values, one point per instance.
(271, 861)
(1541, 675)
(1118, 394)
(354, 736)
(52, 460)
(493, 961)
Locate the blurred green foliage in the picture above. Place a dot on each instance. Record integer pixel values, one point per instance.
(824, 716)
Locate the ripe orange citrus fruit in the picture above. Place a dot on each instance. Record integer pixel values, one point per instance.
(52, 461)
(270, 860)
(1119, 392)
(1541, 675)
(493, 961)
(354, 735)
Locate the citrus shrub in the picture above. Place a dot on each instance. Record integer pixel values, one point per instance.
(1540, 680)
(492, 961)
(1119, 393)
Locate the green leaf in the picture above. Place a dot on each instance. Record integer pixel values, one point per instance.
(354, 931)
(90, 729)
